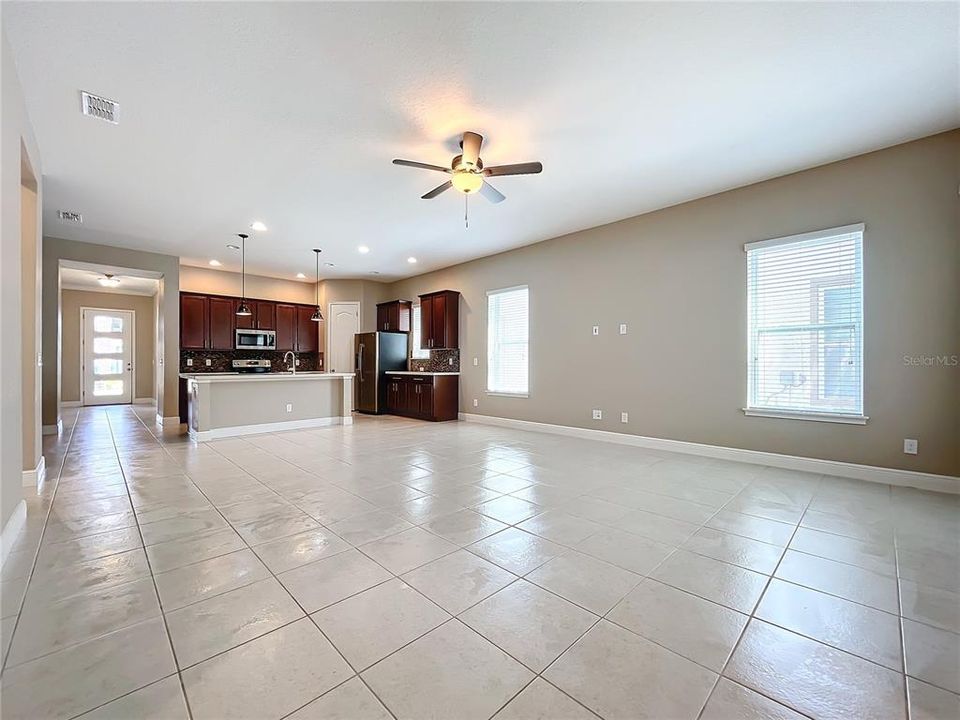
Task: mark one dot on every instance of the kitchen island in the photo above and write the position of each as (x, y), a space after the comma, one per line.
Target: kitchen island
(224, 405)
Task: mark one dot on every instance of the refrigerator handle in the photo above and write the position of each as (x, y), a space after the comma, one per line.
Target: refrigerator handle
(360, 363)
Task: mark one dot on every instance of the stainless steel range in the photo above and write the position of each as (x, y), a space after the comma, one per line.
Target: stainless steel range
(256, 365)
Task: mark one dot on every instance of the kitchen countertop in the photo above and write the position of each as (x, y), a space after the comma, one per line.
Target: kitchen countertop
(263, 377)
(416, 372)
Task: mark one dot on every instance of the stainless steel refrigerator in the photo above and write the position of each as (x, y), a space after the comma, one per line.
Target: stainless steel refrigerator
(375, 354)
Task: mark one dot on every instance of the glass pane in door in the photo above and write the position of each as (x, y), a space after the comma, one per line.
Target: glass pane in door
(107, 387)
(107, 324)
(107, 346)
(107, 366)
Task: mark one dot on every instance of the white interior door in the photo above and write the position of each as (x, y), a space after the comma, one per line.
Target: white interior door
(107, 349)
(343, 323)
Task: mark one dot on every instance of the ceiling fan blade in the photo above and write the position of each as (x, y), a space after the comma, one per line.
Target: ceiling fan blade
(424, 166)
(471, 148)
(437, 190)
(491, 193)
(529, 168)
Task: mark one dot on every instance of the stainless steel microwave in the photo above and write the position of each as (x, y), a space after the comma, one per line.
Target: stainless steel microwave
(248, 339)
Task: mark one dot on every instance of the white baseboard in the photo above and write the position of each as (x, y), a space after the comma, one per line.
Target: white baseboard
(220, 433)
(70, 403)
(53, 429)
(144, 401)
(869, 473)
(34, 478)
(169, 421)
(12, 529)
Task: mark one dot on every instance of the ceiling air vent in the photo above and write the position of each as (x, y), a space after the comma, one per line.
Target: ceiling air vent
(100, 107)
(70, 217)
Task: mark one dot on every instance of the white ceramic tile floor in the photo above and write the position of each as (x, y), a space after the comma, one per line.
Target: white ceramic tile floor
(466, 571)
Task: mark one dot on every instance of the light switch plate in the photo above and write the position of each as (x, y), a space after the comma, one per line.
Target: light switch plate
(598, 414)
(623, 328)
(910, 447)
(596, 329)
(476, 361)
(450, 361)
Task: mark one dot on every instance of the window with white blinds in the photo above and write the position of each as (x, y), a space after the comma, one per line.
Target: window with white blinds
(508, 320)
(805, 311)
(416, 351)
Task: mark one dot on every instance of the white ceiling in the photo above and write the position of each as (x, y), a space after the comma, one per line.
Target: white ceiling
(85, 277)
(291, 112)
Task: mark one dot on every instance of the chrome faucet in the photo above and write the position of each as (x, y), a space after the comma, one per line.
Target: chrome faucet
(293, 365)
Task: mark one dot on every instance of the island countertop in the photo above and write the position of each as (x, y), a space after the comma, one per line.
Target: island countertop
(417, 372)
(262, 377)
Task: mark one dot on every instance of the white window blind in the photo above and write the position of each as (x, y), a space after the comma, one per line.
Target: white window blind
(415, 351)
(507, 341)
(805, 310)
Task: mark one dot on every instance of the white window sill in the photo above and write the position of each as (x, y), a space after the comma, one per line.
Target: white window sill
(815, 416)
(508, 394)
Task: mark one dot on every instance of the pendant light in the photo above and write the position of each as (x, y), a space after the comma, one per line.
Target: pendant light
(243, 309)
(317, 315)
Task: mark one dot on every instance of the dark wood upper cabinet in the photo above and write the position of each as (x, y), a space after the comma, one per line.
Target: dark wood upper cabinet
(286, 326)
(440, 320)
(209, 322)
(266, 315)
(308, 332)
(394, 316)
(194, 319)
(223, 320)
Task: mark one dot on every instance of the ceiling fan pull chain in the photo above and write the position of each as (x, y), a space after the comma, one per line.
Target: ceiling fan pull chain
(466, 219)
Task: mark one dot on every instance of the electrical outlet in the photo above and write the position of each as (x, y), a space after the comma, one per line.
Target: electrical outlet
(208, 362)
(596, 329)
(623, 328)
(320, 362)
(476, 402)
(598, 414)
(289, 407)
(910, 447)
(476, 361)
(296, 362)
(189, 362)
(624, 417)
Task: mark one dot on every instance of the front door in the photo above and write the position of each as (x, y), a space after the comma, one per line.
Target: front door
(107, 350)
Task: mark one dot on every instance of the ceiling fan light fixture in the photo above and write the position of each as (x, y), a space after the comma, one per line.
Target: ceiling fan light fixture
(467, 182)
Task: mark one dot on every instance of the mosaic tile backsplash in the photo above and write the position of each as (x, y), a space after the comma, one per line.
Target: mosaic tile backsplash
(439, 361)
(220, 360)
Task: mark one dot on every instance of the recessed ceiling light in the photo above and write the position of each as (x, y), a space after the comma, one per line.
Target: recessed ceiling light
(215, 263)
(258, 226)
(329, 264)
(411, 260)
(374, 272)
(233, 247)
(363, 249)
(108, 280)
(301, 276)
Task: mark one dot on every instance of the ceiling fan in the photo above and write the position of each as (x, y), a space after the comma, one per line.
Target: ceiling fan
(469, 176)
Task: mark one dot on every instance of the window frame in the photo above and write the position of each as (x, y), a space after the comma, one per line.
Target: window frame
(501, 393)
(414, 335)
(750, 410)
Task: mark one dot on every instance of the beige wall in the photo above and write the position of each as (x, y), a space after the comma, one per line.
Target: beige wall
(71, 302)
(166, 267)
(366, 292)
(30, 244)
(17, 144)
(677, 277)
(222, 282)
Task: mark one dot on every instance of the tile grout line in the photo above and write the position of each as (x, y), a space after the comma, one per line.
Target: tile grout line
(36, 557)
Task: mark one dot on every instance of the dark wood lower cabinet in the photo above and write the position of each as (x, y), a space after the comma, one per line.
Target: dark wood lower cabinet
(427, 397)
